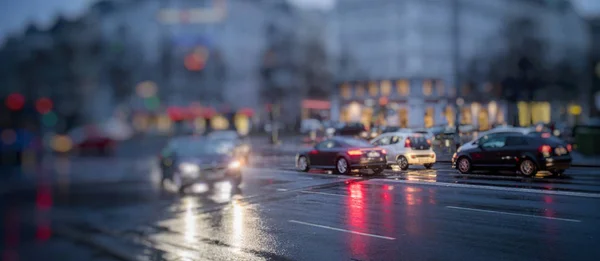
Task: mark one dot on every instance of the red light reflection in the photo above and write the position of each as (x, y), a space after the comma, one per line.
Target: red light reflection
(357, 218)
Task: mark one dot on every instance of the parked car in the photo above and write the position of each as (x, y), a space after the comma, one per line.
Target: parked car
(241, 146)
(353, 129)
(191, 159)
(524, 153)
(405, 149)
(342, 155)
(500, 131)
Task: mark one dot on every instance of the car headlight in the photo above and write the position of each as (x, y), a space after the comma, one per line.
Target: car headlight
(234, 164)
(364, 134)
(330, 131)
(188, 167)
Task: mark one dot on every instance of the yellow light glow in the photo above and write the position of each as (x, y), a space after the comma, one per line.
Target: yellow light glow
(575, 109)
(524, 113)
(403, 88)
(373, 90)
(219, 122)
(429, 114)
(386, 88)
(163, 123)
(345, 91)
(242, 124)
(427, 88)
(61, 143)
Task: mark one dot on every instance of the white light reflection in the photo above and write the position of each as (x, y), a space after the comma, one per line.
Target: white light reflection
(237, 226)
(190, 219)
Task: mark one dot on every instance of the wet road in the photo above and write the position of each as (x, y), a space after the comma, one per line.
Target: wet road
(113, 209)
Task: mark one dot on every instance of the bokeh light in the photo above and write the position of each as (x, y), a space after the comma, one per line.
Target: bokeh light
(61, 143)
(9, 137)
(146, 89)
(50, 119)
(152, 103)
(43, 105)
(15, 101)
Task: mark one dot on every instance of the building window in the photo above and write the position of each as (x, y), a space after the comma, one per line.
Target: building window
(427, 88)
(450, 115)
(440, 88)
(465, 116)
(403, 115)
(403, 87)
(429, 114)
(483, 120)
(373, 90)
(360, 91)
(345, 91)
(386, 88)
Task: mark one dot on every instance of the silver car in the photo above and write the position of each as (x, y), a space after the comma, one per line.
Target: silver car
(405, 149)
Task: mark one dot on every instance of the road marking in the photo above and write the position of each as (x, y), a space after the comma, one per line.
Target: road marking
(322, 193)
(525, 190)
(512, 214)
(340, 229)
(281, 189)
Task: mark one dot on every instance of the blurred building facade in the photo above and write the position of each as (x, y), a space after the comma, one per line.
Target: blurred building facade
(595, 66)
(397, 67)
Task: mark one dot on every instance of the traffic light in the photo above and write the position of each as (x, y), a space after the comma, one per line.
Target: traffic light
(43, 105)
(196, 60)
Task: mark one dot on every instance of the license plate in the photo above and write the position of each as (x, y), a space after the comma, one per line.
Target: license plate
(373, 154)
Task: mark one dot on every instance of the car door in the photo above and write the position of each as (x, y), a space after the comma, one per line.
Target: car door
(509, 154)
(491, 149)
(318, 156)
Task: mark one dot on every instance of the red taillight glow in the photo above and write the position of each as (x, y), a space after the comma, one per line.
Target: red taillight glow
(432, 156)
(546, 135)
(429, 142)
(569, 147)
(383, 152)
(314, 152)
(354, 152)
(407, 143)
(545, 149)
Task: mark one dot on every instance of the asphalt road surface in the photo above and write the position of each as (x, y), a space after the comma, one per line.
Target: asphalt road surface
(113, 209)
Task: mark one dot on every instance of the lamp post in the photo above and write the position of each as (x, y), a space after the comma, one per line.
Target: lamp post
(456, 61)
(459, 103)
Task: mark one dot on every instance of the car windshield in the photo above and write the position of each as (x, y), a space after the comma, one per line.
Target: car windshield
(196, 148)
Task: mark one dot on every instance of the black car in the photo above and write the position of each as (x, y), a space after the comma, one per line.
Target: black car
(342, 155)
(525, 153)
(353, 129)
(188, 160)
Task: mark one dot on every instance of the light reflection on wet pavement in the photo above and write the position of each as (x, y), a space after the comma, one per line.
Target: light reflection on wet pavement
(289, 215)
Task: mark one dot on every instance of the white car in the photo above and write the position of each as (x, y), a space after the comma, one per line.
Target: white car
(404, 149)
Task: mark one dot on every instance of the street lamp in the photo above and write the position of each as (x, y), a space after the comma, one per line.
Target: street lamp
(459, 103)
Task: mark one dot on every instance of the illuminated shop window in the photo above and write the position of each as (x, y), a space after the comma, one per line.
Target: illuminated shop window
(483, 119)
(373, 90)
(386, 88)
(427, 88)
(345, 91)
(450, 115)
(429, 114)
(403, 115)
(403, 87)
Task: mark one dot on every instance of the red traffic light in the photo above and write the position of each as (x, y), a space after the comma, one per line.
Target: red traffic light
(15, 101)
(43, 105)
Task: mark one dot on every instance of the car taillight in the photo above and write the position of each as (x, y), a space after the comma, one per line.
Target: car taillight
(313, 152)
(383, 152)
(429, 142)
(354, 152)
(407, 143)
(432, 156)
(569, 147)
(545, 149)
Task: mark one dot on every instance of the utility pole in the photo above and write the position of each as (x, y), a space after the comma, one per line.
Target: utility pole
(456, 62)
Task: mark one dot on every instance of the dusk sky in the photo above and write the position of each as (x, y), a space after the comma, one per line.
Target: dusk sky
(14, 14)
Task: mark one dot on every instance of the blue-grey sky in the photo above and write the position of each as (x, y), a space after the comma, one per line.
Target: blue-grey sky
(15, 14)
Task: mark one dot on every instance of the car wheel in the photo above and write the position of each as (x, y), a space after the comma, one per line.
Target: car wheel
(303, 163)
(377, 171)
(342, 167)
(428, 166)
(463, 165)
(528, 168)
(402, 162)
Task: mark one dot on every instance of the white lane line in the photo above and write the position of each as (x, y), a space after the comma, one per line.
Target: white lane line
(322, 193)
(340, 229)
(512, 214)
(281, 189)
(525, 190)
